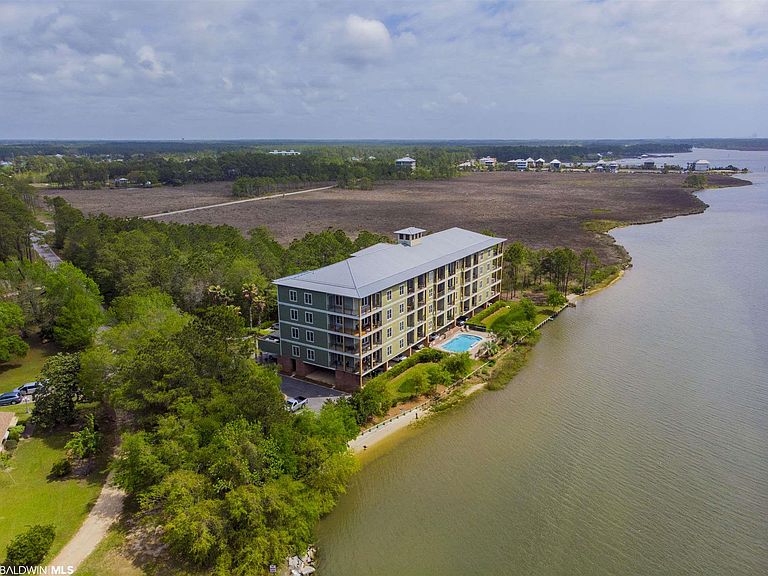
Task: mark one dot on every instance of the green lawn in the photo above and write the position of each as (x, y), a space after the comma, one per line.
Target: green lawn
(30, 498)
(499, 313)
(27, 369)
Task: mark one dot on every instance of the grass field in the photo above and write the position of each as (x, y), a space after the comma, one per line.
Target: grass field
(27, 369)
(30, 498)
(398, 386)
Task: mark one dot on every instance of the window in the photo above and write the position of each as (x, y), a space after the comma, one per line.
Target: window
(292, 296)
(295, 351)
(389, 295)
(308, 299)
(294, 333)
(402, 326)
(402, 343)
(310, 336)
(402, 308)
(430, 308)
(310, 354)
(481, 283)
(389, 332)
(389, 350)
(339, 300)
(402, 289)
(294, 314)
(389, 314)
(488, 267)
(309, 318)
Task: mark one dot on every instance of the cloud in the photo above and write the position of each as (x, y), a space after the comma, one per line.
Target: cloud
(382, 69)
(364, 41)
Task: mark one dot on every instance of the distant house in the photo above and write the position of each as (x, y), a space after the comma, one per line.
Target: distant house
(554, 166)
(649, 165)
(121, 182)
(290, 152)
(466, 165)
(406, 162)
(519, 164)
(599, 166)
(540, 163)
(700, 165)
(613, 167)
(530, 162)
(488, 162)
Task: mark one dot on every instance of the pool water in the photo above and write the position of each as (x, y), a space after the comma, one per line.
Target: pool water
(461, 343)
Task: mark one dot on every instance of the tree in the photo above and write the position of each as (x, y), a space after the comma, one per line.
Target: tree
(72, 305)
(55, 402)
(489, 348)
(516, 256)
(30, 547)
(458, 365)
(588, 259)
(17, 221)
(528, 308)
(372, 400)
(11, 320)
(556, 299)
(85, 442)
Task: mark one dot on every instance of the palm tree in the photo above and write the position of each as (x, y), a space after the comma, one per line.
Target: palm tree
(252, 294)
(489, 348)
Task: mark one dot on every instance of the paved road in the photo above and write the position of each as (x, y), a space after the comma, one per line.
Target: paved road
(316, 395)
(45, 252)
(220, 204)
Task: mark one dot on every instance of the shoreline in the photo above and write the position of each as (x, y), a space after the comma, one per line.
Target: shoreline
(390, 430)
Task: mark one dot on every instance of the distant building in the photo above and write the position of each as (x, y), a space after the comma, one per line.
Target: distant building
(613, 167)
(519, 164)
(649, 165)
(488, 162)
(540, 163)
(290, 152)
(699, 165)
(554, 166)
(466, 165)
(121, 182)
(406, 162)
(530, 162)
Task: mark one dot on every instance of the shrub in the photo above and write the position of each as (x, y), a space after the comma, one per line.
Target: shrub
(15, 433)
(529, 309)
(4, 460)
(415, 384)
(30, 547)
(478, 318)
(555, 298)
(61, 468)
(11, 444)
(373, 400)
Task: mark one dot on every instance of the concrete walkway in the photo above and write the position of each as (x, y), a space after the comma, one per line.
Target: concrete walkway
(104, 513)
(220, 204)
(374, 436)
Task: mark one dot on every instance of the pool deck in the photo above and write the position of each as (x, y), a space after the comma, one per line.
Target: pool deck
(448, 336)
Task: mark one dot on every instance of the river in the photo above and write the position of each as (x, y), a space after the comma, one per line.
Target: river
(635, 441)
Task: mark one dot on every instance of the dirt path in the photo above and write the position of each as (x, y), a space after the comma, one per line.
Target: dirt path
(104, 513)
(220, 204)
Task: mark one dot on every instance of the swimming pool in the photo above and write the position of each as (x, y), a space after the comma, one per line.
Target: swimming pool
(461, 343)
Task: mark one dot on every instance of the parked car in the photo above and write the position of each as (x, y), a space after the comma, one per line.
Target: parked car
(10, 398)
(29, 389)
(294, 404)
(461, 320)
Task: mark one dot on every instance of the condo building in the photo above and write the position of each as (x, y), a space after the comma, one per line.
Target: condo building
(348, 321)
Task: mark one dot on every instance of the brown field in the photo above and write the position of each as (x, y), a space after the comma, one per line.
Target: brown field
(539, 209)
(143, 201)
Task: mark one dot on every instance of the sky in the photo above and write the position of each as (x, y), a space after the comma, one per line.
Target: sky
(389, 69)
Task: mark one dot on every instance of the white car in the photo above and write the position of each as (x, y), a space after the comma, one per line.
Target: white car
(294, 404)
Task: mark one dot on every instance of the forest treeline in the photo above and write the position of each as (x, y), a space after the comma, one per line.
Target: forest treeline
(255, 171)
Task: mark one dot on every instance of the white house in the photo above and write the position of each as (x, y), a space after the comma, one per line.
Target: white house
(530, 162)
(519, 164)
(701, 165)
(406, 162)
(554, 166)
(488, 162)
(290, 152)
(613, 167)
(540, 163)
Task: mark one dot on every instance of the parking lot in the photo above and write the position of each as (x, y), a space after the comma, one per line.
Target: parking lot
(315, 394)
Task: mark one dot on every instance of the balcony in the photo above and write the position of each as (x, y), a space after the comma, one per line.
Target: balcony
(348, 310)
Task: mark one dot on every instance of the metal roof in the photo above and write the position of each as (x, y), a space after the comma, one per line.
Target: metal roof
(384, 265)
(405, 159)
(410, 230)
